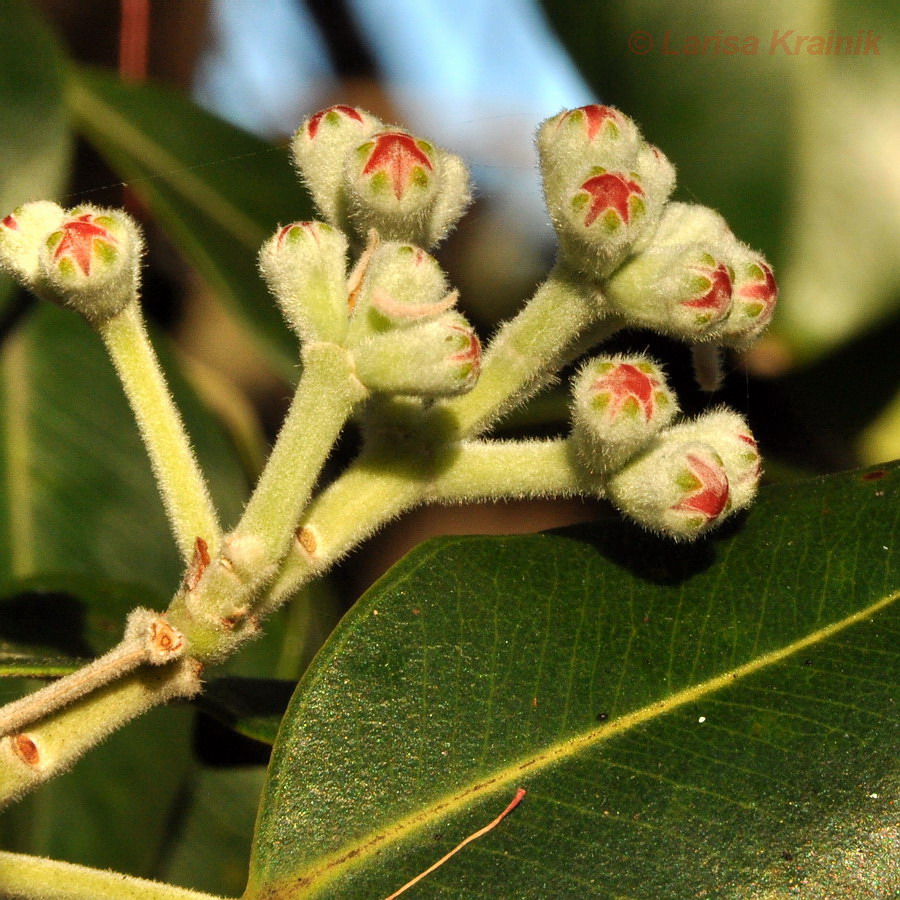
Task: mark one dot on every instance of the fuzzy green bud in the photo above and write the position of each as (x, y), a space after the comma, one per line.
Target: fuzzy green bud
(22, 233)
(681, 284)
(305, 266)
(320, 147)
(605, 187)
(401, 286)
(405, 188)
(729, 435)
(754, 296)
(676, 487)
(435, 358)
(619, 403)
(594, 134)
(91, 262)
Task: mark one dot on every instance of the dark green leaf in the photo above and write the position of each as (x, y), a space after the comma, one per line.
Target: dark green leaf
(689, 720)
(50, 625)
(217, 191)
(34, 126)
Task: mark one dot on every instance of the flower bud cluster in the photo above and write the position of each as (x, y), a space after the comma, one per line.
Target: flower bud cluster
(364, 175)
(672, 267)
(86, 259)
(677, 479)
(394, 311)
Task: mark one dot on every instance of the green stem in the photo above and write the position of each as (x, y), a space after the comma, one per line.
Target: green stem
(50, 746)
(506, 470)
(371, 492)
(527, 351)
(324, 399)
(181, 483)
(219, 612)
(33, 878)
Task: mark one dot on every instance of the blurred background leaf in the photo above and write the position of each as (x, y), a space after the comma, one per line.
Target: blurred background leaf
(35, 140)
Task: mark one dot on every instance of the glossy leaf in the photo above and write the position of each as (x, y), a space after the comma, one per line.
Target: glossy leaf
(35, 139)
(217, 191)
(688, 720)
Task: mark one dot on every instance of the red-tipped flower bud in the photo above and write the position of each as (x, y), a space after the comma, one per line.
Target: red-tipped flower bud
(320, 147)
(676, 487)
(435, 358)
(593, 135)
(304, 265)
(605, 188)
(619, 404)
(729, 435)
(91, 262)
(405, 188)
(681, 284)
(753, 299)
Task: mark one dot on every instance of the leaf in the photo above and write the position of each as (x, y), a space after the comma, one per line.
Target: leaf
(51, 625)
(212, 847)
(217, 191)
(713, 719)
(35, 139)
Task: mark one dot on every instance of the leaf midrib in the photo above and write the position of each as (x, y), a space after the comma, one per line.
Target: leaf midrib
(512, 774)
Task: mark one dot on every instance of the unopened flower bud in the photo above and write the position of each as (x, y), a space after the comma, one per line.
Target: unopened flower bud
(681, 284)
(304, 265)
(729, 435)
(676, 487)
(440, 357)
(619, 404)
(91, 262)
(605, 187)
(402, 286)
(22, 233)
(320, 147)
(753, 299)
(405, 188)
(598, 217)
(593, 135)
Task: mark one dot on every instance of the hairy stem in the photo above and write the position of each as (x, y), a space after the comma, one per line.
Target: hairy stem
(32, 878)
(181, 483)
(527, 351)
(506, 470)
(324, 399)
(52, 745)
